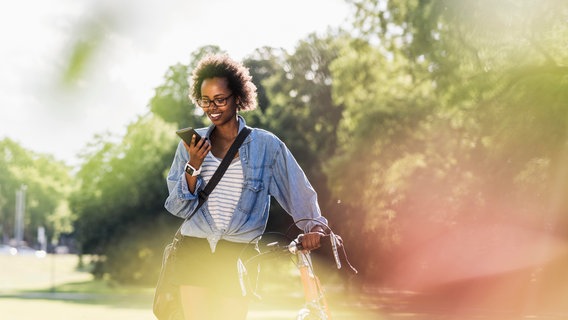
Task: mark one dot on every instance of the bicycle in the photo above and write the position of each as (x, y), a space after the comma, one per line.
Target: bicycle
(315, 304)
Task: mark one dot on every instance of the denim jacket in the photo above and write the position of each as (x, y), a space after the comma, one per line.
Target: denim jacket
(269, 169)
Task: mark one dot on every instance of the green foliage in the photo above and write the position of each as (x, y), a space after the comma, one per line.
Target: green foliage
(436, 114)
(120, 199)
(171, 100)
(301, 109)
(295, 98)
(262, 64)
(457, 110)
(48, 183)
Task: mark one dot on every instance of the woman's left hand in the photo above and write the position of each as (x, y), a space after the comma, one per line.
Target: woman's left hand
(312, 240)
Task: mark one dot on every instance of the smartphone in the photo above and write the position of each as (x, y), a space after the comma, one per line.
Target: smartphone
(187, 133)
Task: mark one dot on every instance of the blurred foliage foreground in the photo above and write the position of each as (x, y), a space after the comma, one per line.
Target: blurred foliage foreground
(435, 132)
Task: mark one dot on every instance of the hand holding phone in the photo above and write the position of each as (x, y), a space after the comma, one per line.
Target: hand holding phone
(186, 133)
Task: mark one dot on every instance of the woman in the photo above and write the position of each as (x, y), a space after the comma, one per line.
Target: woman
(237, 210)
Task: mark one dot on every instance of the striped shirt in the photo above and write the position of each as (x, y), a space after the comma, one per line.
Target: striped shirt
(224, 198)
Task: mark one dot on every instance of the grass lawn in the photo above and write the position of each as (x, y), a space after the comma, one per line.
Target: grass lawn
(51, 288)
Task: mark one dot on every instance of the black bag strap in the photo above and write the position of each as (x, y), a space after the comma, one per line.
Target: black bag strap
(204, 194)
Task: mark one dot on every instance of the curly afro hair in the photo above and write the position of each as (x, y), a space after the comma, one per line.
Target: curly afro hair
(237, 75)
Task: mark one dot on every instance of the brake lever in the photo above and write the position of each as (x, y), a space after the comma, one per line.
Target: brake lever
(334, 239)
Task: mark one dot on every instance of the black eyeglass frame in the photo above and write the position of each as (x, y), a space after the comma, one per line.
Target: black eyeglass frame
(218, 102)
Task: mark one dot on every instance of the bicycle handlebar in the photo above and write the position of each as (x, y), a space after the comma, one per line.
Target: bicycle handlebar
(295, 247)
(335, 240)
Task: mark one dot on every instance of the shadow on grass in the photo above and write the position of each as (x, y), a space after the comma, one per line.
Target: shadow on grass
(274, 299)
(94, 292)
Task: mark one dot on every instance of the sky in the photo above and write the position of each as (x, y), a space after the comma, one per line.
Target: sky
(141, 40)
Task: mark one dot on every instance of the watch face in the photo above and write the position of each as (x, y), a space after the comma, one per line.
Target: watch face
(190, 170)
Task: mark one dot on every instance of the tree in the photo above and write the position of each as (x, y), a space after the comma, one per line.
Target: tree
(264, 63)
(453, 121)
(48, 183)
(120, 197)
(301, 111)
(296, 104)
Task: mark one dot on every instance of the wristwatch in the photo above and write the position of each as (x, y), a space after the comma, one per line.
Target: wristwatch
(191, 170)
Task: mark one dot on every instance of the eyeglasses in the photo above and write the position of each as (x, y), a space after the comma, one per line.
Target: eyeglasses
(218, 102)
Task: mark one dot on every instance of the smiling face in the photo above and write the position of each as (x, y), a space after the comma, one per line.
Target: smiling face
(222, 106)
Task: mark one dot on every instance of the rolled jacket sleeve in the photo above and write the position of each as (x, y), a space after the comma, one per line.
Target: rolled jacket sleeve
(181, 202)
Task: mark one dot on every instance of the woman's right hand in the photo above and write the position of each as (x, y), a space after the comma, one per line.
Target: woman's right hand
(197, 151)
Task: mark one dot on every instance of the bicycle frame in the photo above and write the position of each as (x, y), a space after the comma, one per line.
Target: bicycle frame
(315, 306)
(315, 301)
